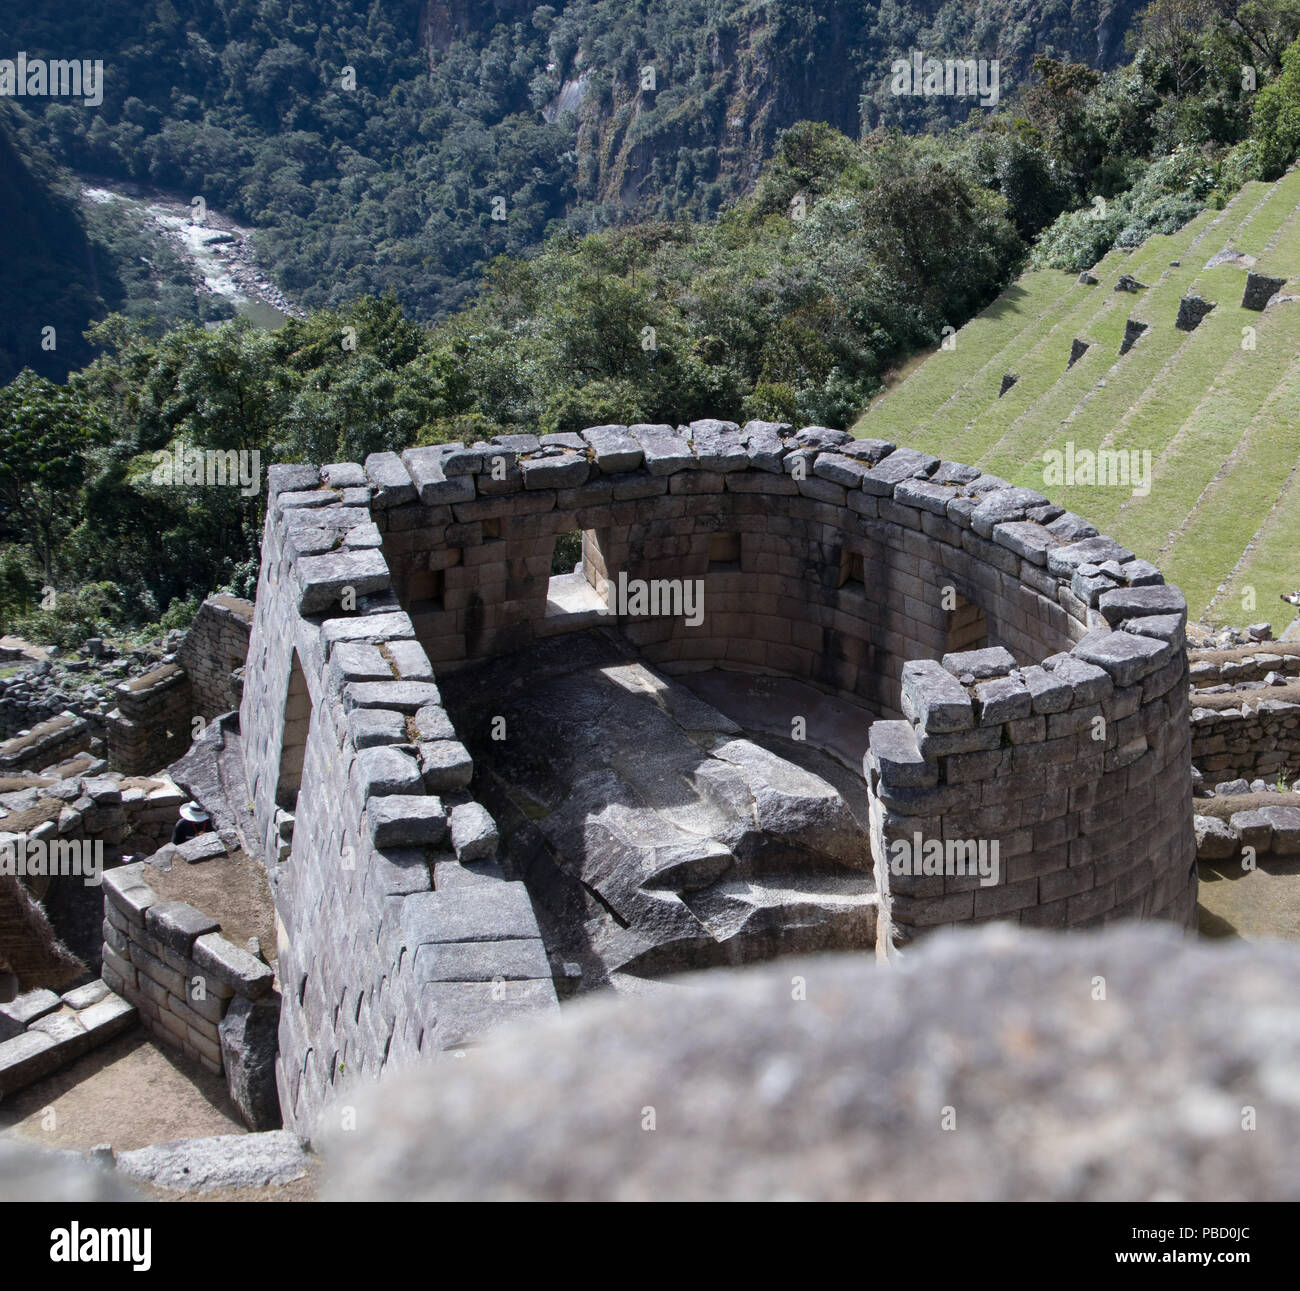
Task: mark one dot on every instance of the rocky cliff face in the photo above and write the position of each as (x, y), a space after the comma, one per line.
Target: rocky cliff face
(442, 22)
(728, 77)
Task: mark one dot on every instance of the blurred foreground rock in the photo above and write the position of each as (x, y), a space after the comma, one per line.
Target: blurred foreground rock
(753, 1093)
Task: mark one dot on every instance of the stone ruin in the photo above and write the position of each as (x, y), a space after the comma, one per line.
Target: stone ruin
(481, 786)
(1191, 310)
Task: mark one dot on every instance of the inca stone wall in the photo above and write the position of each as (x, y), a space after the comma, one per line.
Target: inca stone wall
(62, 817)
(41, 1031)
(1252, 738)
(1246, 712)
(399, 935)
(171, 962)
(215, 646)
(45, 744)
(865, 569)
(153, 722)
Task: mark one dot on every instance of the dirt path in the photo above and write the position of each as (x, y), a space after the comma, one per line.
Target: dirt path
(130, 1092)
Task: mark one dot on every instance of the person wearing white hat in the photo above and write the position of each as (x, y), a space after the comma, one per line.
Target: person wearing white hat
(194, 820)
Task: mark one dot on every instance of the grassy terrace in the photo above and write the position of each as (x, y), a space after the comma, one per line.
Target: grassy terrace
(1220, 420)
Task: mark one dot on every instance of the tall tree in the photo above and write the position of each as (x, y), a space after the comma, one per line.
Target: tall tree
(46, 431)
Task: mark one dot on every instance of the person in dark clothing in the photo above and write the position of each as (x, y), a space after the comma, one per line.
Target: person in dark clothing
(194, 821)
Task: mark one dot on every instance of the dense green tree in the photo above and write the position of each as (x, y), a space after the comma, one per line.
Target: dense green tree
(46, 433)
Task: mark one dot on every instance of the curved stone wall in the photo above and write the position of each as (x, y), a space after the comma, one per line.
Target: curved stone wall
(866, 569)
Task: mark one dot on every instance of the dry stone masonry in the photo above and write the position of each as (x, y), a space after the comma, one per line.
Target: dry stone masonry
(1029, 678)
(41, 1031)
(48, 742)
(1246, 712)
(193, 989)
(153, 722)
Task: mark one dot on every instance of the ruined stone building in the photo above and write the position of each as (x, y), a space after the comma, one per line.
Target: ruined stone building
(481, 787)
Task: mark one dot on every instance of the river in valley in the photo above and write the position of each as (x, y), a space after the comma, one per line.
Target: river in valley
(219, 251)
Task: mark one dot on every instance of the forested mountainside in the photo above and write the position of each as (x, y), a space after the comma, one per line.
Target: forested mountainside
(798, 300)
(400, 145)
(70, 263)
(53, 277)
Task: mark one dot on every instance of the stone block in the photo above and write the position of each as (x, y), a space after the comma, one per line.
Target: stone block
(369, 727)
(344, 475)
(482, 961)
(992, 661)
(1253, 829)
(236, 968)
(385, 769)
(322, 580)
(249, 1035)
(717, 445)
(26, 1058)
(1002, 506)
(433, 723)
(666, 452)
(1136, 602)
(841, 470)
(202, 847)
(762, 440)
(1063, 561)
(1002, 699)
(84, 996)
(1216, 840)
(176, 924)
(400, 820)
(870, 451)
(20, 1013)
(409, 659)
(106, 1018)
(934, 698)
(359, 661)
(392, 626)
(473, 833)
(483, 912)
(564, 471)
(433, 486)
(1089, 683)
(1127, 658)
(465, 1010)
(1049, 693)
(892, 748)
(406, 697)
(613, 448)
(445, 765)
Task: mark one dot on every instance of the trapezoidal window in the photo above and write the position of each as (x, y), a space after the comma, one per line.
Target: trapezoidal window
(851, 568)
(293, 741)
(577, 570)
(967, 627)
(724, 552)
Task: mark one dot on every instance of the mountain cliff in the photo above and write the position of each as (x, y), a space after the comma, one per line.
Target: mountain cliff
(402, 145)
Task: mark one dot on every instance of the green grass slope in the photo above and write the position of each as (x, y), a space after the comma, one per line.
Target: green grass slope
(1212, 417)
